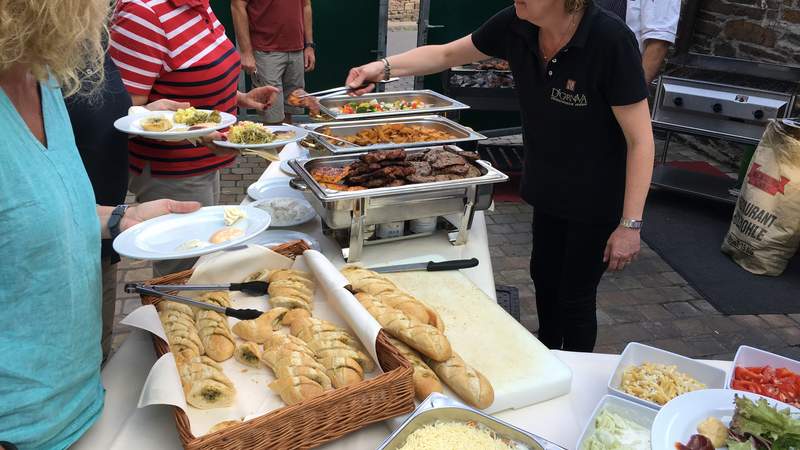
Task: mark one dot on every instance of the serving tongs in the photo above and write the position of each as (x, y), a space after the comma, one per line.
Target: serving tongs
(332, 138)
(252, 288)
(343, 89)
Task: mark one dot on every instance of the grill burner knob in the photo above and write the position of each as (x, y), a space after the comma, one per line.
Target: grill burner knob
(678, 101)
(717, 108)
(758, 114)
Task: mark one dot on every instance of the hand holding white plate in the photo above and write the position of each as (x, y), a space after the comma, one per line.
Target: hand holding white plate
(177, 236)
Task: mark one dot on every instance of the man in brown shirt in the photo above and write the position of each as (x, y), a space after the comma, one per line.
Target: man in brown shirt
(277, 46)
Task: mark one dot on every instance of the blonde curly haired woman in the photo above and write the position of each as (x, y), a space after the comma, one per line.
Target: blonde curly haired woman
(50, 226)
(588, 141)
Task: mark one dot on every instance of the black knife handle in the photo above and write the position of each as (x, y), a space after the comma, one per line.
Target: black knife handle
(243, 314)
(452, 265)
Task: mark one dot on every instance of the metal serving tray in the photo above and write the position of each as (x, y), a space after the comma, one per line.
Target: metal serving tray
(356, 211)
(339, 129)
(439, 103)
(438, 407)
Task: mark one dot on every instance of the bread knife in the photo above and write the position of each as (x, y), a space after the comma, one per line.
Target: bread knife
(429, 266)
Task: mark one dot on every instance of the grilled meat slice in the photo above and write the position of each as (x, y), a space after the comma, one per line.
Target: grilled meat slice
(376, 183)
(457, 169)
(421, 178)
(396, 183)
(421, 168)
(393, 163)
(327, 174)
(448, 177)
(391, 172)
(469, 156)
(473, 172)
(439, 159)
(391, 155)
(418, 156)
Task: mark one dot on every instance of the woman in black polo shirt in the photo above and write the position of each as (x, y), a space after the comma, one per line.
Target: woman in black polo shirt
(589, 144)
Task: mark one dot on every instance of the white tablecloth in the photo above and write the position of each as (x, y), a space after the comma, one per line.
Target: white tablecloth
(123, 426)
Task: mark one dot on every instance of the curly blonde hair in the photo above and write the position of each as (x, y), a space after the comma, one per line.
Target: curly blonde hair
(575, 5)
(62, 38)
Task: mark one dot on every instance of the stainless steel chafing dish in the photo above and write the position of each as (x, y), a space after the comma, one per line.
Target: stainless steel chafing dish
(349, 216)
(438, 104)
(438, 407)
(339, 129)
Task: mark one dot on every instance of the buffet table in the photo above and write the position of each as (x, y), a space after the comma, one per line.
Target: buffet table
(124, 426)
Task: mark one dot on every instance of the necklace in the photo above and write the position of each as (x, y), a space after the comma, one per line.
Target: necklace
(563, 39)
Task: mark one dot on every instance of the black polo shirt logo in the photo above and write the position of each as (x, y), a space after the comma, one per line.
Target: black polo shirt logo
(568, 96)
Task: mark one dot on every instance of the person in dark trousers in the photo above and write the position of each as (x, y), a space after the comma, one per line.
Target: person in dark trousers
(588, 142)
(104, 152)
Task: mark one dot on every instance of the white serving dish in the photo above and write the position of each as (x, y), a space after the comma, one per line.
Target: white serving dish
(636, 354)
(304, 210)
(752, 357)
(678, 420)
(634, 412)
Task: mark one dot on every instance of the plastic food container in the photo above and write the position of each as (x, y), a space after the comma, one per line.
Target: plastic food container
(390, 230)
(634, 412)
(636, 354)
(423, 225)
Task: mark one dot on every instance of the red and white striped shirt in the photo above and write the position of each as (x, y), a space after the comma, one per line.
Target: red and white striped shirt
(175, 49)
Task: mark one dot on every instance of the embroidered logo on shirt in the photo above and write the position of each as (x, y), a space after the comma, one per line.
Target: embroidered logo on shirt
(571, 85)
(566, 98)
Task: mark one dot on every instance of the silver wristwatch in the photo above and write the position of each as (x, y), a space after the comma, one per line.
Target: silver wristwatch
(631, 223)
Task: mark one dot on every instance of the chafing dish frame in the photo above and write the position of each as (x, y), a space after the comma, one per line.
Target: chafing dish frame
(441, 104)
(463, 133)
(440, 407)
(356, 211)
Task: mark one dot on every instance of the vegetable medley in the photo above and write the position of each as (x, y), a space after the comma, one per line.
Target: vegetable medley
(376, 106)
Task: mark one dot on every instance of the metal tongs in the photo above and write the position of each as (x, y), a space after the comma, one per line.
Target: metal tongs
(252, 288)
(343, 89)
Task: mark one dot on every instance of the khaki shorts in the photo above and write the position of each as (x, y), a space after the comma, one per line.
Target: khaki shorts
(284, 70)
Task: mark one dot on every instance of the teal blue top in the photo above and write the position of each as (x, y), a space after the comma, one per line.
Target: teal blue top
(50, 388)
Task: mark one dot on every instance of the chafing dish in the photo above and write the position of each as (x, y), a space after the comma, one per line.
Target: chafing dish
(438, 407)
(350, 216)
(340, 129)
(438, 104)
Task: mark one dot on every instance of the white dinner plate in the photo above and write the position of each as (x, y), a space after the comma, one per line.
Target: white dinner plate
(130, 125)
(271, 188)
(299, 134)
(302, 211)
(678, 420)
(160, 238)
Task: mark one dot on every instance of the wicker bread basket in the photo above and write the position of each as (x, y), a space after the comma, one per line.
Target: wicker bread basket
(313, 422)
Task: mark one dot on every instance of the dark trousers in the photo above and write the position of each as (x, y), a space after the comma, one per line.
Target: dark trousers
(566, 267)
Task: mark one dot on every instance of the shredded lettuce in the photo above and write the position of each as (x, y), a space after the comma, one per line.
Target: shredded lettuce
(613, 432)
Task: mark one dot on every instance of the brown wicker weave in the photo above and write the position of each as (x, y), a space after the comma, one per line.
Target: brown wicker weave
(313, 422)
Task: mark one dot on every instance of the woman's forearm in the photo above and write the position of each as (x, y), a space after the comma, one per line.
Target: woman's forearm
(639, 173)
(435, 58)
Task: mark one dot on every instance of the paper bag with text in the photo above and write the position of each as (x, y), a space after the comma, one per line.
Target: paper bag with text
(765, 230)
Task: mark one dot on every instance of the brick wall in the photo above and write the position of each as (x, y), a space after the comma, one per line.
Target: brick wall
(403, 10)
(234, 180)
(760, 30)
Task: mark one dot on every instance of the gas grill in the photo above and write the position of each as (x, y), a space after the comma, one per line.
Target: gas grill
(487, 86)
(720, 98)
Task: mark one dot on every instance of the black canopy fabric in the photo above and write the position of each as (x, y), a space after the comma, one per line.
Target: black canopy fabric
(687, 232)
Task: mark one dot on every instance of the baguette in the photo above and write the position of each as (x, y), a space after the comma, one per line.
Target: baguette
(422, 337)
(370, 282)
(425, 379)
(467, 382)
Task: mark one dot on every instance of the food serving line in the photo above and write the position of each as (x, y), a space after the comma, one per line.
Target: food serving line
(382, 192)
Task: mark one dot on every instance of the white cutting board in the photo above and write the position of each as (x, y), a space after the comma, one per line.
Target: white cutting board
(521, 369)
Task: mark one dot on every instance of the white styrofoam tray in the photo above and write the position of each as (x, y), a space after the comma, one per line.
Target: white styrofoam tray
(636, 354)
(634, 412)
(752, 357)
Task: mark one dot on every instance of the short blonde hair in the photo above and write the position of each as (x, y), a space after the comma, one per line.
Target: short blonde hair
(62, 38)
(575, 5)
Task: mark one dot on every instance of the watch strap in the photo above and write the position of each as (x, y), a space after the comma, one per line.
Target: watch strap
(310, 45)
(387, 69)
(633, 224)
(115, 220)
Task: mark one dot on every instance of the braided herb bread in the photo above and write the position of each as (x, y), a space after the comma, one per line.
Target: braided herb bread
(213, 327)
(420, 336)
(290, 289)
(298, 376)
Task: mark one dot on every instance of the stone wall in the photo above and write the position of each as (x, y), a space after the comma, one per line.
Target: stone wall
(234, 180)
(760, 30)
(403, 10)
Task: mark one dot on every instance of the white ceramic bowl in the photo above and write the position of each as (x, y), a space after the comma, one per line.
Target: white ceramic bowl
(753, 357)
(636, 354)
(634, 412)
